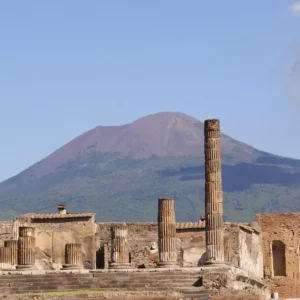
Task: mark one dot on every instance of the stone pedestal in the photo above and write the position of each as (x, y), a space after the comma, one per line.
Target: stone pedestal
(13, 246)
(119, 247)
(73, 256)
(5, 258)
(166, 234)
(213, 193)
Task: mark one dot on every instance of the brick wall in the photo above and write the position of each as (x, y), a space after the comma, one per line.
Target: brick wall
(281, 242)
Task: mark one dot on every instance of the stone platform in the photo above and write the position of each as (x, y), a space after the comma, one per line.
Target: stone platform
(188, 282)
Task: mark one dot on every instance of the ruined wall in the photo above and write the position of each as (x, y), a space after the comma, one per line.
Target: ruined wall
(141, 238)
(281, 245)
(250, 251)
(242, 245)
(53, 234)
(5, 232)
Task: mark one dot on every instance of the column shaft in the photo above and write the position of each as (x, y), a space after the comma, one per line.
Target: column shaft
(119, 247)
(13, 246)
(166, 233)
(26, 252)
(73, 256)
(5, 258)
(26, 248)
(213, 193)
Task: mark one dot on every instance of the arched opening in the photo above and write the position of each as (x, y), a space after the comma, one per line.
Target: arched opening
(278, 255)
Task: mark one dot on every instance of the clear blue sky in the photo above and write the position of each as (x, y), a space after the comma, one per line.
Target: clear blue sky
(68, 66)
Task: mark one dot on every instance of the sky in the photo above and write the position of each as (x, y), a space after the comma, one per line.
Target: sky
(69, 66)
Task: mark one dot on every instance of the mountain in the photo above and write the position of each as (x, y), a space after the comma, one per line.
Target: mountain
(120, 171)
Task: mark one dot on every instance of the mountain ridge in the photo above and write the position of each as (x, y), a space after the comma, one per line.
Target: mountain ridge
(119, 172)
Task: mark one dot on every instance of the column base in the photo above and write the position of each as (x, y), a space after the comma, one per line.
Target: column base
(71, 267)
(120, 266)
(24, 267)
(167, 264)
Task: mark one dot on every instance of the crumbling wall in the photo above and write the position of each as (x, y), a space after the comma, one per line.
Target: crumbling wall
(192, 247)
(281, 245)
(250, 251)
(142, 239)
(5, 231)
(242, 246)
(53, 234)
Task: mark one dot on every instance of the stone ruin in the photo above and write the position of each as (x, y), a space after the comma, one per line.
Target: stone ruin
(219, 258)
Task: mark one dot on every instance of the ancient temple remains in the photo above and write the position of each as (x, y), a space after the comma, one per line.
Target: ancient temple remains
(5, 258)
(119, 247)
(213, 193)
(73, 257)
(12, 245)
(166, 233)
(26, 248)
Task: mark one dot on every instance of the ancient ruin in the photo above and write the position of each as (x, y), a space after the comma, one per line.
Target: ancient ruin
(26, 248)
(73, 259)
(213, 193)
(119, 247)
(67, 251)
(166, 233)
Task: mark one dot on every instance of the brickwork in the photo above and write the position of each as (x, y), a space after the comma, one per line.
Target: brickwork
(281, 249)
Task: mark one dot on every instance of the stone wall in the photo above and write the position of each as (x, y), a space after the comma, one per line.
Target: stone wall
(5, 231)
(54, 233)
(242, 245)
(281, 252)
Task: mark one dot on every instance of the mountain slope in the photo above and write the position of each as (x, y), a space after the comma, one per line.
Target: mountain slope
(120, 171)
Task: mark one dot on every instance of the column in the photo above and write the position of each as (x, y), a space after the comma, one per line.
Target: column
(5, 258)
(73, 256)
(166, 233)
(213, 193)
(13, 246)
(26, 248)
(119, 247)
(15, 230)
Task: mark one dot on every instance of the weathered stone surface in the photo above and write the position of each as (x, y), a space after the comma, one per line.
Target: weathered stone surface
(13, 246)
(5, 258)
(166, 233)
(119, 247)
(73, 256)
(26, 252)
(25, 231)
(213, 193)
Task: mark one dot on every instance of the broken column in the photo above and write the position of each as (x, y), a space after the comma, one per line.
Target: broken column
(5, 259)
(73, 256)
(213, 193)
(166, 233)
(119, 247)
(26, 248)
(13, 246)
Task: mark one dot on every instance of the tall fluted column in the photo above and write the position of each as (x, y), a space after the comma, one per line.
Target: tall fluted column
(73, 257)
(13, 246)
(119, 247)
(166, 233)
(26, 248)
(213, 193)
(5, 259)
